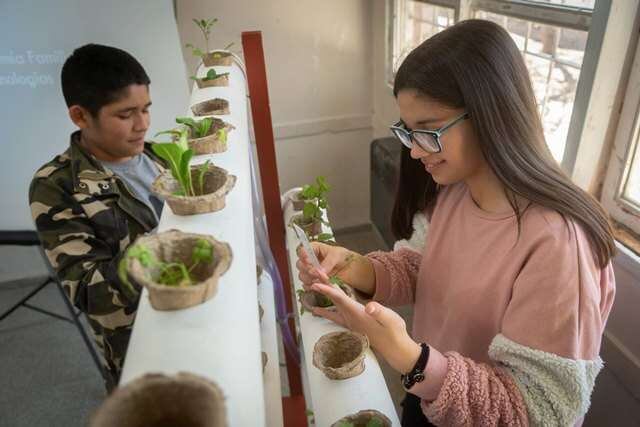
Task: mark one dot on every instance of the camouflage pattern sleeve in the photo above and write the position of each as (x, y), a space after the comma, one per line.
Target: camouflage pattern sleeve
(84, 240)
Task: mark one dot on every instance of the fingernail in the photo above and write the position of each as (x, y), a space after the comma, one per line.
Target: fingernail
(370, 309)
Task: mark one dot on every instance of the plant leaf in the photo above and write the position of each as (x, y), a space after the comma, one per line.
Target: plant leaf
(185, 173)
(222, 135)
(324, 236)
(202, 251)
(182, 141)
(204, 126)
(171, 153)
(188, 121)
(201, 171)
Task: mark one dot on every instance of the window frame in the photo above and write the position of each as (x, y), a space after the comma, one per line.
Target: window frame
(625, 144)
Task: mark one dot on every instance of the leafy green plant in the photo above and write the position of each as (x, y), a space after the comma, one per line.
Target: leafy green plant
(322, 300)
(177, 154)
(205, 26)
(169, 273)
(211, 75)
(323, 238)
(199, 128)
(315, 199)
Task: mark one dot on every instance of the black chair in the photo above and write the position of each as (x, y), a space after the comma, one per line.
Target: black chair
(30, 238)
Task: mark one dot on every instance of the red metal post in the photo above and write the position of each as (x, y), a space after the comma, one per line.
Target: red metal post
(263, 130)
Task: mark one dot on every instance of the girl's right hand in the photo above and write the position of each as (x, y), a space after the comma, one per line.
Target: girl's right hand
(332, 260)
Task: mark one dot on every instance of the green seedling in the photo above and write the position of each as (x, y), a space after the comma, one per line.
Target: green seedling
(177, 154)
(315, 199)
(211, 75)
(205, 26)
(169, 273)
(322, 300)
(199, 128)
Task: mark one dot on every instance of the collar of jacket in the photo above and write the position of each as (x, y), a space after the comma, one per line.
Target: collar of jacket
(91, 178)
(85, 166)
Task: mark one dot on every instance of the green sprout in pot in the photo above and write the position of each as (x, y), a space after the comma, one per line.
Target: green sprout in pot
(211, 75)
(315, 200)
(177, 154)
(205, 26)
(198, 128)
(322, 300)
(167, 273)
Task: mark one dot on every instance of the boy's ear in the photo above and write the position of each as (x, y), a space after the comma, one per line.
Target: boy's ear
(80, 116)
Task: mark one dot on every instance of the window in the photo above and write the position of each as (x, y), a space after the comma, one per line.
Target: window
(621, 193)
(554, 57)
(413, 23)
(552, 36)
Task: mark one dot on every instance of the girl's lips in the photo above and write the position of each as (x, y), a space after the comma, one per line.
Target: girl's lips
(430, 166)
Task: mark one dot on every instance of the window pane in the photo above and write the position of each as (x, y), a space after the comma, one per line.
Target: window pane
(631, 190)
(584, 4)
(554, 57)
(421, 21)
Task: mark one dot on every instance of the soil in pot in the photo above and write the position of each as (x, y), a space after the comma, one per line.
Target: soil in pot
(366, 418)
(311, 228)
(179, 269)
(211, 143)
(340, 355)
(156, 400)
(217, 106)
(210, 196)
(218, 58)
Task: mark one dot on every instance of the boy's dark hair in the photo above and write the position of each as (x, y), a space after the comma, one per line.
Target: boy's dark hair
(95, 75)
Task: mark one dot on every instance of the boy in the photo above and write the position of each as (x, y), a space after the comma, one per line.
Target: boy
(90, 202)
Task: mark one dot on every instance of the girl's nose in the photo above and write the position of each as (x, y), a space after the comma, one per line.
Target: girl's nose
(417, 152)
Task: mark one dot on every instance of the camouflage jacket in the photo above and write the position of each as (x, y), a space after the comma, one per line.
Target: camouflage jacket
(86, 216)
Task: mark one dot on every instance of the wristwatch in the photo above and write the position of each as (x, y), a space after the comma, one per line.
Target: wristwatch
(416, 375)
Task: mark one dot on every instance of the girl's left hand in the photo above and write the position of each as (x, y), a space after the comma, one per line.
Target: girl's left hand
(386, 330)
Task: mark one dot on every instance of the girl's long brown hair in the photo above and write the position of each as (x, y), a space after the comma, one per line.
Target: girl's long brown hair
(476, 65)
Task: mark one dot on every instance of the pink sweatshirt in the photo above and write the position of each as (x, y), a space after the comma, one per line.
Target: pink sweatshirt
(514, 324)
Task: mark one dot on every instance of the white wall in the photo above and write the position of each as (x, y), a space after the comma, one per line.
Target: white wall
(319, 60)
(34, 119)
(385, 110)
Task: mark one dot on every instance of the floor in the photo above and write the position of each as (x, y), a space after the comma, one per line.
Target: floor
(48, 377)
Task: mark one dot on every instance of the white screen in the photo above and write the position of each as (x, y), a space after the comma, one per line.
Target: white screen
(35, 39)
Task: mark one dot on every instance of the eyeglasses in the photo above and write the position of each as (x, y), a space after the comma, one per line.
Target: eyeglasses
(428, 140)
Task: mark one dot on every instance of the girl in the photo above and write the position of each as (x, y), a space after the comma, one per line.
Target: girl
(514, 285)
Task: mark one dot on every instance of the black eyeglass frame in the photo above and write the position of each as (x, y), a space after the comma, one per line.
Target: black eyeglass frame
(400, 130)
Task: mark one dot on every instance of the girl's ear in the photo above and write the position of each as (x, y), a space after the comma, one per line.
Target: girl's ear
(80, 116)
